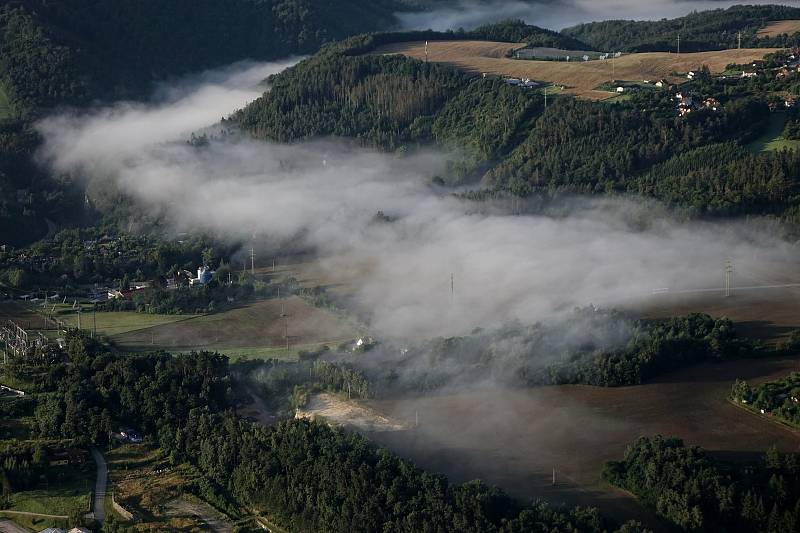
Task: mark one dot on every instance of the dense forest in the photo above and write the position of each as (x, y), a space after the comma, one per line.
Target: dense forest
(309, 476)
(699, 493)
(699, 31)
(78, 52)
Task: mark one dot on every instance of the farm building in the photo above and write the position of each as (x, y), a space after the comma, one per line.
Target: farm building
(204, 275)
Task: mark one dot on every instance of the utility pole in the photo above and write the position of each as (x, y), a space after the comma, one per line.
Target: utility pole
(739, 36)
(426, 51)
(79, 318)
(252, 261)
(679, 44)
(545, 96)
(286, 332)
(554, 476)
(452, 287)
(729, 271)
(94, 319)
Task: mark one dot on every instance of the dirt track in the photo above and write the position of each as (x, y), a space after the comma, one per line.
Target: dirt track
(579, 78)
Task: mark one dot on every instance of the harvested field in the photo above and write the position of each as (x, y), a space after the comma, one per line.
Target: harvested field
(248, 327)
(765, 303)
(779, 27)
(514, 438)
(579, 78)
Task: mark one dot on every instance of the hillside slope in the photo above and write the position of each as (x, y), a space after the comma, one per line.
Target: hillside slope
(699, 31)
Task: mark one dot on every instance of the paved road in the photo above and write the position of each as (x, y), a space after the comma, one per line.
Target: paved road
(99, 503)
(7, 526)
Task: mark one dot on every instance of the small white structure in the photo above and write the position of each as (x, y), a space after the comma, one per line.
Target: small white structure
(204, 275)
(620, 89)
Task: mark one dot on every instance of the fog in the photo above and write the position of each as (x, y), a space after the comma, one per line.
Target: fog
(559, 14)
(324, 196)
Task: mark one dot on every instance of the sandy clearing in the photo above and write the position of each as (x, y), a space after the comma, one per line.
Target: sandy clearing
(351, 414)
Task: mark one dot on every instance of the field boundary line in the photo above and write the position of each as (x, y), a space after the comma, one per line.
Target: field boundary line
(774, 420)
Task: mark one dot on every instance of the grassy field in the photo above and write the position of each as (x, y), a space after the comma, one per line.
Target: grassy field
(68, 492)
(253, 330)
(115, 323)
(579, 78)
(779, 27)
(772, 139)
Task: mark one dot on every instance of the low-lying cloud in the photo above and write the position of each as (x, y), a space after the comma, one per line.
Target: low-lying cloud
(559, 14)
(324, 196)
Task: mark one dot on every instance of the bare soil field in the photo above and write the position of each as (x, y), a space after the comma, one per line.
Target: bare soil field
(253, 325)
(765, 303)
(515, 438)
(578, 77)
(779, 27)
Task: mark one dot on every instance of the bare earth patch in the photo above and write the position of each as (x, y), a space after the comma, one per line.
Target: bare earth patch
(339, 412)
(579, 77)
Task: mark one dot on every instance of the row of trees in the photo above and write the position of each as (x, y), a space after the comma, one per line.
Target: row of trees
(589, 347)
(698, 493)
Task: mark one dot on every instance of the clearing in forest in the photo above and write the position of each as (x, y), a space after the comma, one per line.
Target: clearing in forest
(779, 27)
(580, 78)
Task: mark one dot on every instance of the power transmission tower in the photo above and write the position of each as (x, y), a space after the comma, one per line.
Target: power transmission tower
(729, 271)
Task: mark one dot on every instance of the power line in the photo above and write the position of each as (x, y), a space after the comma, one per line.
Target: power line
(729, 271)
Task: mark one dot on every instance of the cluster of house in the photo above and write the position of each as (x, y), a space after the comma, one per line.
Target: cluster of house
(185, 277)
(687, 103)
(788, 103)
(523, 83)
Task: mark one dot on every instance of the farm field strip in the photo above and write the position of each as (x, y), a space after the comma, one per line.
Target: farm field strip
(578, 77)
(776, 28)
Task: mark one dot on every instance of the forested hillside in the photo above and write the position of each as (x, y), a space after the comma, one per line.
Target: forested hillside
(75, 52)
(705, 30)
(506, 140)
